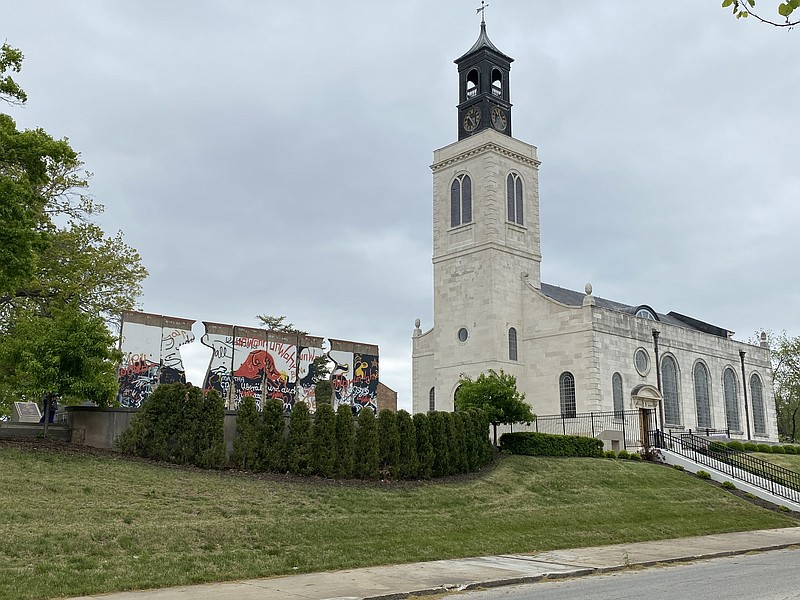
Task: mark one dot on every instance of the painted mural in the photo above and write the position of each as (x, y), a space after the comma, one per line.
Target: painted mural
(245, 362)
(150, 346)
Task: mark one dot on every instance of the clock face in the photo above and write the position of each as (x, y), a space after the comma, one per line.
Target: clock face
(472, 119)
(498, 119)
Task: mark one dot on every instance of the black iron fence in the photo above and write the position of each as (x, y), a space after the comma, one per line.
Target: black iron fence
(623, 427)
(739, 465)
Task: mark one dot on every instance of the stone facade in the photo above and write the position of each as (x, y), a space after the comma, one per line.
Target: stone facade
(489, 302)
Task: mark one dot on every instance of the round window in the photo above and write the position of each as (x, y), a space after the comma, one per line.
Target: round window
(642, 361)
(463, 334)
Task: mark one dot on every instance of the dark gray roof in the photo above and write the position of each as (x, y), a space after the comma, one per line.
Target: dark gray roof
(483, 41)
(572, 298)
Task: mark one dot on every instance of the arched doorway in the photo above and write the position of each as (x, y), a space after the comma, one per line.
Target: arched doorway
(648, 400)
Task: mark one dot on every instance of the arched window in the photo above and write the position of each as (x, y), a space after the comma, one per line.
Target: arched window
(432, 400)
(514, 197)
(669, 381)
(731, 394)
(461, 201)
(702, 398)
(757, 393)
(616, 394)
(566, 386)
(473, 79)
(497, 83)
(512, 344)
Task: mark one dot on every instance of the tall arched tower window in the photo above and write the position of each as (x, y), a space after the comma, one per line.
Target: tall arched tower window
(514, 198)
(461, 201)
(512, 344)
(702, 398)
(432, 400)
(566, 387)
(616, 394)
(731, 394)
(669, 380)
(757, 393)
(473, 81)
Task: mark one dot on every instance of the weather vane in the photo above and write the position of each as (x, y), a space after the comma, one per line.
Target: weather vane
(481, 10)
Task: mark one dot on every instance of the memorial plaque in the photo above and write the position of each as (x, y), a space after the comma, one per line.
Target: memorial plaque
(26, 412)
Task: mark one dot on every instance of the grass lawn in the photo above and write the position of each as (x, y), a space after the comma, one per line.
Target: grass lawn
(787, 461)
(73, 524)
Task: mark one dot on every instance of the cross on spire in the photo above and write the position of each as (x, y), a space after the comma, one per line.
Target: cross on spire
(482, 10)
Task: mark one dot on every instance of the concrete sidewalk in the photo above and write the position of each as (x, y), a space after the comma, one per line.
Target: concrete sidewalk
(398, 581)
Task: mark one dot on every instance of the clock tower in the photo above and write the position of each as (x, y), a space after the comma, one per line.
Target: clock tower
(483, 88)
(486, 249)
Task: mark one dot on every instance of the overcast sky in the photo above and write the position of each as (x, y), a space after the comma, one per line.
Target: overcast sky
(273, 157)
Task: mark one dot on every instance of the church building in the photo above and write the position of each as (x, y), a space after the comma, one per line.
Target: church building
(571, 352)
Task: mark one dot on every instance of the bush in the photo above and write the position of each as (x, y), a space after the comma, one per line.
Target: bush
(323, 445)
(728, 485)
(789, 449)
(273, 442)
(635, 456)
(211, 436)
(422, 429)
(366, 458)
(750, 447)
(765, 448)
(545, 444)
(678, 467)
(389, 441)
(623, 454)
(778, 450)
(345, 441)
(610, 454)
(299, 440)
(407, 463)
(441, 446)
(247, 444)
(459, 462)
(736, 445)
(703, 475)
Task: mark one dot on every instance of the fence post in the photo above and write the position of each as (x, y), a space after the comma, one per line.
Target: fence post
(624, 437)
(591, 416)
(563, 425)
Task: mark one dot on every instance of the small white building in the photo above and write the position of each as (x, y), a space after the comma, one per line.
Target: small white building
(571, 352)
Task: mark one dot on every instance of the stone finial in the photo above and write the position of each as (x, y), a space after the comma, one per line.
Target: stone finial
(588, 299)
(417, 330)
(764, 342)
(588, 289)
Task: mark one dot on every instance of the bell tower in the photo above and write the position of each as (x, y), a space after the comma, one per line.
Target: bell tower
(483, 88)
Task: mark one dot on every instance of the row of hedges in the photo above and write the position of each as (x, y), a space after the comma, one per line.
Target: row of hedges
(768, 448)
(545, 444)
(179, 424)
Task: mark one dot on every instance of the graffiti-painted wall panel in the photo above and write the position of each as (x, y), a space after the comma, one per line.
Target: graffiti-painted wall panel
(251, 363)
(150, 347)
(309, 349)
(354, 374)
(219, 374)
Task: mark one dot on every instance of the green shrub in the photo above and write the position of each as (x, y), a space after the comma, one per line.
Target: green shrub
(299, 441)
(425, 458)
(717, 447)
(211, 435)
(458, 445)
(441, 446)
(273, 440)
(623, 454)
(703, 475)
(789, 449)
(323, 445)
(750, 447)
(366, 458)
(345, 441)
(635, 456)
(778, 450)
(728, 485)
(407, 463)
(323, 391)
(765, 448)
(610, 454)
(736, 445)
(783, 508)
(678, 467)
(246, 445)
(389, 441)
(545, 444)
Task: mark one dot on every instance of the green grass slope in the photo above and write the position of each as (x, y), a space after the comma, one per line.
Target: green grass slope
(74, 525)
(787, 461)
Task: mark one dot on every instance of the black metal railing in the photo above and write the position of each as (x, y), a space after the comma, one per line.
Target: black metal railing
(594, 424)
(736, 464)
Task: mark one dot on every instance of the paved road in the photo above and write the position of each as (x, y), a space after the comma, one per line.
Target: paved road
(766, 576)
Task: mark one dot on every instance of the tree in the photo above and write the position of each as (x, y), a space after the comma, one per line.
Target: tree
(324, 443)
(425, 452)
(273, 443)
(496, 394)
(366, 458)
(300, 441)
(786, 384)
(59, 274)
(247, 444)
(345, 441)
(389, 441)
(408, 464)
(278, 324)
(744, 8)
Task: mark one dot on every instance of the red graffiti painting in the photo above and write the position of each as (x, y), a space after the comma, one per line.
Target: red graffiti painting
(258, 362)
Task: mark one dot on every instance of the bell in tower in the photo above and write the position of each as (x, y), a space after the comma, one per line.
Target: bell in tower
(483, 82)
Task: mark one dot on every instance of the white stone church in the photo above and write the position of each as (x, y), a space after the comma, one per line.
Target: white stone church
(570, 351)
